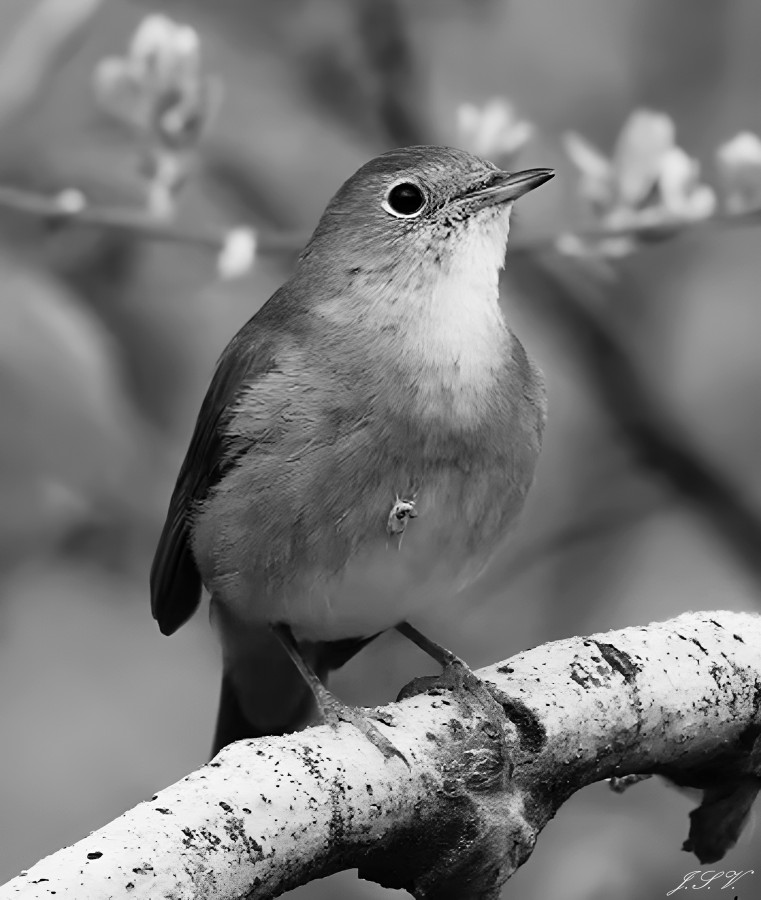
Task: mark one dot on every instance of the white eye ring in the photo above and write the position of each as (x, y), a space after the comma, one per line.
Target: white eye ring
(405, 199)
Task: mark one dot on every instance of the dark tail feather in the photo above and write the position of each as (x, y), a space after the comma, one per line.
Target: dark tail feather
(233, 724)
(262, 690)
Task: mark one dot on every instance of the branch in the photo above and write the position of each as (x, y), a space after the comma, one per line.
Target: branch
(643, 416)
(643, 233)
(69, 207)
(389, 60)
(680, 699)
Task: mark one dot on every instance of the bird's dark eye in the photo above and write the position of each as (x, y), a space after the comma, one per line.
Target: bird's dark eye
(404, 200)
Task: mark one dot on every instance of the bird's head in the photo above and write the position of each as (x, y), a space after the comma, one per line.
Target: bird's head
(404, 264)
(421, 207)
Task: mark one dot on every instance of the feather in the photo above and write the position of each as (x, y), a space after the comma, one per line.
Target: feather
(175, 579)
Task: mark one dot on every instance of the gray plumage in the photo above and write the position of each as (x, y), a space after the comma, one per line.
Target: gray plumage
(383, 369)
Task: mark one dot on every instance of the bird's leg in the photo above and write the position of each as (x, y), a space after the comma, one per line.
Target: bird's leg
(457, 673)
(331, 708)
(442, 656)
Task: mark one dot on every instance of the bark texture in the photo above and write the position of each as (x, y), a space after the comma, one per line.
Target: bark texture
(680, 698)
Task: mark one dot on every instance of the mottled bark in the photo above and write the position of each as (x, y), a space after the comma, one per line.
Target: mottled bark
(681, 699)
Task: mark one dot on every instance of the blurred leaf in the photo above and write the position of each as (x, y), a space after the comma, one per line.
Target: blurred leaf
(70, 437)
(717, 823)
(35, 49)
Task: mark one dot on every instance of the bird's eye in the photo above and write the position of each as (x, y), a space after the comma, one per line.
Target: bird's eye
(404, 200)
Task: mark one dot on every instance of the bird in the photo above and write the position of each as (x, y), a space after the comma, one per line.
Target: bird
(366, 443)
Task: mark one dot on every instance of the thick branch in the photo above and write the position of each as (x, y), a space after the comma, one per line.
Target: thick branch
(680, 699)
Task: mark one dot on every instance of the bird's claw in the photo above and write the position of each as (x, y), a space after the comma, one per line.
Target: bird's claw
(334, 712)
(458, 676)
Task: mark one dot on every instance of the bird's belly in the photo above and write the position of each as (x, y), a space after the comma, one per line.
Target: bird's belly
(383, 584)
(390, 577)
(327, 565)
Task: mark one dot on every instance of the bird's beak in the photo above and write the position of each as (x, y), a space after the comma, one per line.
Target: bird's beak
(509, 186)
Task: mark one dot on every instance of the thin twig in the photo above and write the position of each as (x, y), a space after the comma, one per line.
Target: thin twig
(643, 233)
(141, 224)
(71, 209)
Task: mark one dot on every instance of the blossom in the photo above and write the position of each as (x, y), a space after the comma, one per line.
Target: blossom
(683, 196)
(493, 130)
(71, 202)
(648, 182)
(159, 85)
(739, 162)
(237, 254)
(160, 89)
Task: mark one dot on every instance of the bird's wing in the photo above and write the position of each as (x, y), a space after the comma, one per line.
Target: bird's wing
(175, 579)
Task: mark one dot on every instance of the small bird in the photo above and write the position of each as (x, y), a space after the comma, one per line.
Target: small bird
(368, 439)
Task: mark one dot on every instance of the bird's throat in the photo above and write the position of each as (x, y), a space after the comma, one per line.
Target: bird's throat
(428, 324)
(455, 351)
(454, 338)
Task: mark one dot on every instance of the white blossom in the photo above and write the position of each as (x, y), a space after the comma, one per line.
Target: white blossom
(159, 88)
(237, 254)
(739, 162)
(641, 149)
(71, 201)
(493, 130)
(647, 182)
(682, 194)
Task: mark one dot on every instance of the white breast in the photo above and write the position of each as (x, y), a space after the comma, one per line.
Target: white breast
(437, 320)
(455, 334)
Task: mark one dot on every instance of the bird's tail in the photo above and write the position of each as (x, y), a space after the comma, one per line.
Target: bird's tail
(263, 692)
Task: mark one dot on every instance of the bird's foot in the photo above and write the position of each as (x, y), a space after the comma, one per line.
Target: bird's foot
(456, 676)
(334, 712)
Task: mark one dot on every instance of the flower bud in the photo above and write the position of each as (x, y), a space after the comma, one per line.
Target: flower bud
(739, 162)
(237, 254)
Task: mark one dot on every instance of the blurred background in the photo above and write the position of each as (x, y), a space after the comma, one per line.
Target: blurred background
(648, 497)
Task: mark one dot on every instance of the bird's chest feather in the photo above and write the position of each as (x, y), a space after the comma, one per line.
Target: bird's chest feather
(306, 533)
